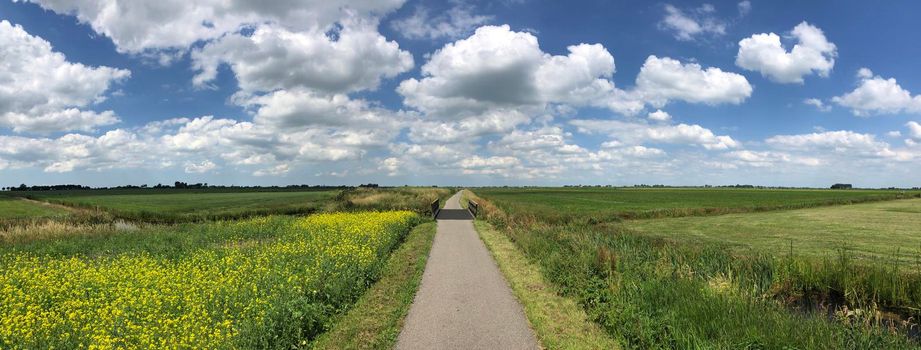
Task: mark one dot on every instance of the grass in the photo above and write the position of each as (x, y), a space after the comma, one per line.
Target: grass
(417, 199)
(610, 204)
(192, 206)
(377, 318)
(649, 292)
(872, 232)
(12, 209)
(558, 322)
(271, 282)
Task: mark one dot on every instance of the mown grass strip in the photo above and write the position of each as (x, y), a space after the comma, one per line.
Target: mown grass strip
(377, 318)
(559, 322)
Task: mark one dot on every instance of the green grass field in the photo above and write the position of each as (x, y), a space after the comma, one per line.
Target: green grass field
(725, 281)
(882, 231)
(190, 206)
(604, 203)
(12, 208)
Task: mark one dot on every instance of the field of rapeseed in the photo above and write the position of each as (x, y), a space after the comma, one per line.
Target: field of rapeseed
(277, 290)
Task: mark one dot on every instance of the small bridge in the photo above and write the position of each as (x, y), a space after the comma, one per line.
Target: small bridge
(454, 214)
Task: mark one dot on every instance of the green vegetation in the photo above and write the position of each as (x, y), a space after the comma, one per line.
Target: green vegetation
(416, 199)
(377, 318)
(271, 282)
(190, 206)
(872, 232)
(610, 204)
(558, 322)
(12, 208)
(650, 292)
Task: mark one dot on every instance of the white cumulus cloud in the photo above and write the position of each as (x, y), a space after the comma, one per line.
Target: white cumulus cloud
(40, 91)
(764, 53)
(877, 95)
(275, 58)
(664, 79)
(138, 26)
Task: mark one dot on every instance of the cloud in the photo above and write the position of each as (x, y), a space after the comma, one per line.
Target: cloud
(631, 133)
(842, 145)
(495, 121)
(914, 130)
(278, 170)
(199, 168)
(660, 116)
(141, 26)
(687, 26)
(770, 158)
(745, 7)
(274, 58)
(499, 68)
(764, 53)
(299, 108)
(876, 95)
(818, 104)
(664, 79)
(41, 92)
(454, 23)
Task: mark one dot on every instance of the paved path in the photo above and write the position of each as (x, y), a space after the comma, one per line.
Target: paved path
(464, 301)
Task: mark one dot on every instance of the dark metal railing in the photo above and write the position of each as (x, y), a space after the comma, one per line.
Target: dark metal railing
(435, 209)
(473, 207)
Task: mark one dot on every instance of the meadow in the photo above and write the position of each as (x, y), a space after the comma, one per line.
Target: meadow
(649, 289)
(180, 206)
(880, 232)
(211, 269)
(12, 208)
(607, 204)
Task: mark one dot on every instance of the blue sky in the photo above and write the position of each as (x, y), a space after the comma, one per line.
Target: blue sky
(460, 92)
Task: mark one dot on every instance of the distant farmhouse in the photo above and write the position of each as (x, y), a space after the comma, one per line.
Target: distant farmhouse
(841, 186)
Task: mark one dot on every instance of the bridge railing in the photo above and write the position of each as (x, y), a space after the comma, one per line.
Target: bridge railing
(435, 208)
(473, 207)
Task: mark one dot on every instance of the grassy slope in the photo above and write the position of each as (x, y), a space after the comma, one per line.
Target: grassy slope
(607, 203)
(377, 318)
(886, 230)
(558, 321)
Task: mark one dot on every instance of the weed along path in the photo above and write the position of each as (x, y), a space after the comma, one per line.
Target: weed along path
(463, 301)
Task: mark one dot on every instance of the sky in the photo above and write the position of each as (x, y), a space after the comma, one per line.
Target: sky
(513, 92)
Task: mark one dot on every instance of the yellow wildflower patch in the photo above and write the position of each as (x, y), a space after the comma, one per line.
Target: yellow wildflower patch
(277, 292)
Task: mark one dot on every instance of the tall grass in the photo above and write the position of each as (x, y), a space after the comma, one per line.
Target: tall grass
(656, 293)
(417, 199)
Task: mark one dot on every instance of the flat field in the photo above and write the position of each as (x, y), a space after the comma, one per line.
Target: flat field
(187, 206)
(12, 208)
(882, 231)
(601, 203)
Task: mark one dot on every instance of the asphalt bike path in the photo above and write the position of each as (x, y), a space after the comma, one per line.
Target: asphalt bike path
(463, 302)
